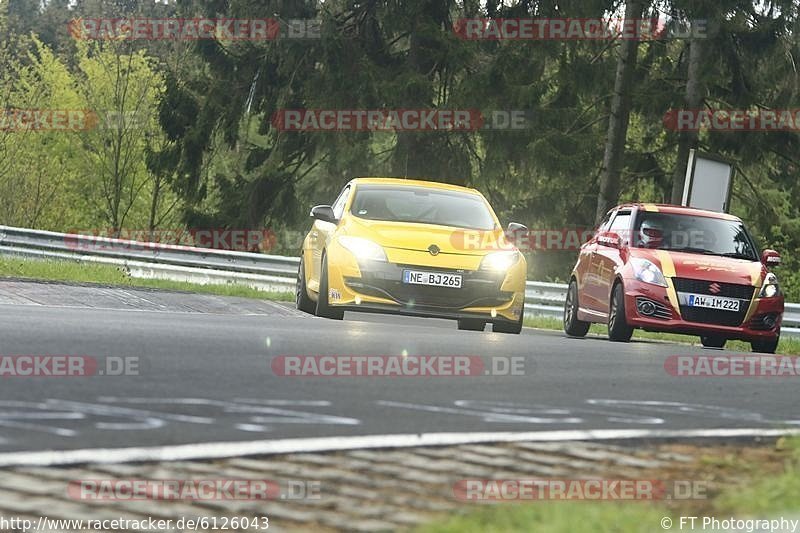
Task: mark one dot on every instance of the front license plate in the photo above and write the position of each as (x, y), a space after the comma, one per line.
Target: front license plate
(713, 302)
(436, 279)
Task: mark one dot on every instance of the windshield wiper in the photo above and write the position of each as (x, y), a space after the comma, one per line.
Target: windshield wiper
(691, 250)
(737, 255)
(733, 255)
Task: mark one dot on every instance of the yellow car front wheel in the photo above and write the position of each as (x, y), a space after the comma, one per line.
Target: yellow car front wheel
(509, 327)
(324, 309)
(301, 299)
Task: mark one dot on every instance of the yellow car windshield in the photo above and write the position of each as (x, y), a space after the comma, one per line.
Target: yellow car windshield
(406, 203)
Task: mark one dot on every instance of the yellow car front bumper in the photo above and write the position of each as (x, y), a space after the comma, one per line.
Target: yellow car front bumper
(369, 285)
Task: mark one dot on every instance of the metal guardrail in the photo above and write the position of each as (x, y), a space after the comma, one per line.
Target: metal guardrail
(189, 256)
(205, 265)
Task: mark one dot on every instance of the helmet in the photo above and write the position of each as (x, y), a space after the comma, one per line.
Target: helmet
(651, 234)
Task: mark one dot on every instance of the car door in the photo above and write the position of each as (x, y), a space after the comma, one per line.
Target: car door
(588, 286)
(606, 259)
(320, 234)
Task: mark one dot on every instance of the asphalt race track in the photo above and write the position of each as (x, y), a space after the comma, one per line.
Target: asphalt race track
(204, 375)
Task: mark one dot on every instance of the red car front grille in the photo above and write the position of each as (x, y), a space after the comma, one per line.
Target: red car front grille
(717, 317)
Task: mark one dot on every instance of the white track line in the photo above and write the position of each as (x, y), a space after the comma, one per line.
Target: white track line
(221, 450)
(158, 311)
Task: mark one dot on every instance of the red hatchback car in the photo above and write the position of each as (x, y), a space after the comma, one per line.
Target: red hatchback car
(676, 269)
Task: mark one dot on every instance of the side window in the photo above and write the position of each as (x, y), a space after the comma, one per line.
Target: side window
(622, 225)
(604, 224)
(338, 205)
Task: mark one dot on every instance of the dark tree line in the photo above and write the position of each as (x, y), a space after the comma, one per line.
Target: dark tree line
(595, 133)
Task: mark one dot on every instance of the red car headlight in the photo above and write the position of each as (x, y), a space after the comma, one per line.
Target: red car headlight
(648, 272)
(770, 288)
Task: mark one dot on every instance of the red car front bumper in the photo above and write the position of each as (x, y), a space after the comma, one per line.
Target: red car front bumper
(761, 320)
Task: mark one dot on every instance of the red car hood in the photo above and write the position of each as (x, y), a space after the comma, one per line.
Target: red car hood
(705, 267)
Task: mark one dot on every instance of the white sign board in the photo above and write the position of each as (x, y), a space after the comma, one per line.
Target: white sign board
(708, 182)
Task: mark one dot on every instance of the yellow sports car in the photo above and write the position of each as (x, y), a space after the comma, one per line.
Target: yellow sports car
(393, 245)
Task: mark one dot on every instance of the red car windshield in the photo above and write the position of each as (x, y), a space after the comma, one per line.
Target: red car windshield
(694, 234)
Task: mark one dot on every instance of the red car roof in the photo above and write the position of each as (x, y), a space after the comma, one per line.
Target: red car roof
(678, 210)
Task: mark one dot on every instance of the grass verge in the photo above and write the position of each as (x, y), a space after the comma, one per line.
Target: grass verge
(553, 517)
(767, 495)
(759, 493)
(74, 272)
(786, 346)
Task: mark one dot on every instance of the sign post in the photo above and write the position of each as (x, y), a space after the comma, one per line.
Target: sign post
(708, 183)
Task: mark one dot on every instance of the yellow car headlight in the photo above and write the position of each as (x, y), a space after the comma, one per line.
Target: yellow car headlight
(500, 261)
(363, 249)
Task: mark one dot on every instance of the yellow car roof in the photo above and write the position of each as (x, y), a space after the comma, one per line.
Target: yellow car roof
(418, 183)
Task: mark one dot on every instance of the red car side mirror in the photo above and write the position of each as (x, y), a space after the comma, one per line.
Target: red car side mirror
(770, 258)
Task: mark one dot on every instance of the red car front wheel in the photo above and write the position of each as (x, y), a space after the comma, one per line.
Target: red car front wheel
(572, 326)
(618, 328)
(766, 346)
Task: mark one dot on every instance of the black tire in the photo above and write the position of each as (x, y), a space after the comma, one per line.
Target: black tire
(572, 326)
(513, 328)
(471, 324)
(324, 310)
(766, 346)
(301, 299)
(618, 328)
(712, 341)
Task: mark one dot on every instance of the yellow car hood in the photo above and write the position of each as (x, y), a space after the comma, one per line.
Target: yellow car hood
(413, 236)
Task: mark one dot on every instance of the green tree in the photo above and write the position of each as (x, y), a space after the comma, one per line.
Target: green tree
(123, 87)
(35, 165)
